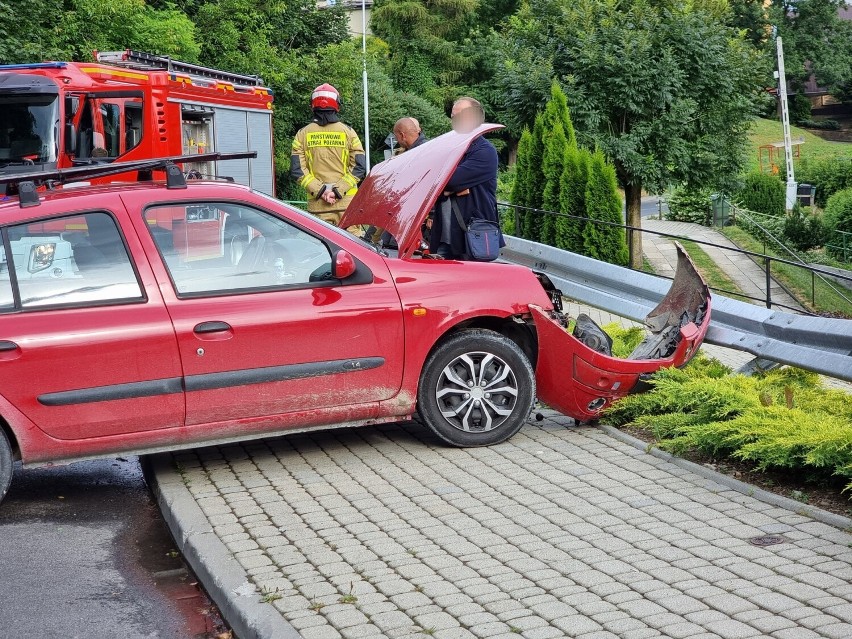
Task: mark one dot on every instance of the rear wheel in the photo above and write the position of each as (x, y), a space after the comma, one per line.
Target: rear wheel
(476, 389)
(6, 464)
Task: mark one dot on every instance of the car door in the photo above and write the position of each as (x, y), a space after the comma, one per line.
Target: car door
(261, 327)
(87, 348)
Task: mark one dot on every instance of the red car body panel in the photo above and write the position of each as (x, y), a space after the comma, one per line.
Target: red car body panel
(580, 382)
(322, 324)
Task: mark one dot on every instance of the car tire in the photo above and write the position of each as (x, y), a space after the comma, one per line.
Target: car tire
(7, 464)
(476, 389)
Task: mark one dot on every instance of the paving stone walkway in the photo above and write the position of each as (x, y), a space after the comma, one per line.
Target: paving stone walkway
(748, 276)
(560, 532)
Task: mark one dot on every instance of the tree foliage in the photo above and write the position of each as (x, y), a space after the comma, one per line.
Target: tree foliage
(666, 90)
(35, 30)
(572, 200)
(838, 217)
(422, 35)
(603, 204)
(816, 40)
(556, 175)
(762, 193)
(556, 146)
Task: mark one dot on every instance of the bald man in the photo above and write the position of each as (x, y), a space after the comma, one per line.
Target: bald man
(407, 132)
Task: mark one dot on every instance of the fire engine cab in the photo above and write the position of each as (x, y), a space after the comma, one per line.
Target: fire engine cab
(130, 105)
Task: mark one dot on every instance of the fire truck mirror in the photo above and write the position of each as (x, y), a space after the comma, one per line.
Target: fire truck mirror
(70, 138)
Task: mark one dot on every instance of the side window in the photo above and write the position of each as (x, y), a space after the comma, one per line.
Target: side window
(111, 122)
(78, 260)
(218, 248)
(132, 124)
(107, 129)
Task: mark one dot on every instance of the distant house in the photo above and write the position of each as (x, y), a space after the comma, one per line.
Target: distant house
(353, 10)
(819, 95)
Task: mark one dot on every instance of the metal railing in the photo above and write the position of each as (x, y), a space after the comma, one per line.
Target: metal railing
(751, 218)
(764, 260)
(845, 247)
(818, 344)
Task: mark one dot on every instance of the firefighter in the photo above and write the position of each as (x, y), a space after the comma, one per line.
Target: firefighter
(328, 159)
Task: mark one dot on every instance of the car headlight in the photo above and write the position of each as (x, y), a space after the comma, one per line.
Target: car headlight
(41, 257)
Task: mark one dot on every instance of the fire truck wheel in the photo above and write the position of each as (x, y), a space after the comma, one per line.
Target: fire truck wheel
(476, 389)
(6, 464)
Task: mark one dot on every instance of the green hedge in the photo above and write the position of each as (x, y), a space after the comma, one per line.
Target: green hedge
(781, 419)
(687, 204)
(762, 193)
(838, 217)
(828, 175)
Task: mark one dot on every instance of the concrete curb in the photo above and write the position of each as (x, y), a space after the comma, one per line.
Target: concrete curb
(839, 521)
(224, 579)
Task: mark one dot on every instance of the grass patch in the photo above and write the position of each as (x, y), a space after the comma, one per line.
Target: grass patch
(647, 267)
(768, 131)
(824, 299)
(715, 277)
(782, 419)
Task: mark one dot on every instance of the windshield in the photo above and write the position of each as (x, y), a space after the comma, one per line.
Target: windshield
(29, 127)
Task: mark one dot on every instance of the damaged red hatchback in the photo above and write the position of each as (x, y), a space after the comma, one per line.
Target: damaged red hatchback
(157, 316)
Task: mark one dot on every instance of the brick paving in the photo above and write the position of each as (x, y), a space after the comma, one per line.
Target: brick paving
(560, 532)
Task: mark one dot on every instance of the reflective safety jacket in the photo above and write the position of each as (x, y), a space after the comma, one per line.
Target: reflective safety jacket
(330, 154)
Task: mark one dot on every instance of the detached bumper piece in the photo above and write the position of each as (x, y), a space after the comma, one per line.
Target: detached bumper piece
(577, 375)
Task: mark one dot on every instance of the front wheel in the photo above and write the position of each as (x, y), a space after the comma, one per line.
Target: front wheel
(476, 389)
(6, 464)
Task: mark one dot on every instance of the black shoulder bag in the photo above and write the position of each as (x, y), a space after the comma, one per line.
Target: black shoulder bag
(482, 237)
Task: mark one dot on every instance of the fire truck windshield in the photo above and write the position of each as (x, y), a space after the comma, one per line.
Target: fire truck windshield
(29, 128)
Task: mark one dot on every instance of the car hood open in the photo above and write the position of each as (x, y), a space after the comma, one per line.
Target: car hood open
(399, 192)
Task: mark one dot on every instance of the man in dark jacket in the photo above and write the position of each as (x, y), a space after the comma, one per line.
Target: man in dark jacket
(473, 186)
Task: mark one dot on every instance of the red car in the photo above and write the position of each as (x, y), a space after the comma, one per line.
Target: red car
(150, 316)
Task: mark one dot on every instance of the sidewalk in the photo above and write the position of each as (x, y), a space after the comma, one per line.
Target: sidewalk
(748, 276)
(559, 532)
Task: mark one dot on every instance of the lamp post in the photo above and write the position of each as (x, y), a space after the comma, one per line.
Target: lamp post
(785, 123)
(366, 94)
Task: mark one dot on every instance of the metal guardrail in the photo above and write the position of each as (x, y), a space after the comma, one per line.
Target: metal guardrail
(764, 260)
(818, 344)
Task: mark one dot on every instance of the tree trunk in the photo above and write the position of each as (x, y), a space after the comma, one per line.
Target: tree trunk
(633, 195)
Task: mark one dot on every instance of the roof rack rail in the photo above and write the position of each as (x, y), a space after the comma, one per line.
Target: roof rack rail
(142, 61)
(25, 183)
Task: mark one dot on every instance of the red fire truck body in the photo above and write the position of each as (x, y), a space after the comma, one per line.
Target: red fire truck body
(131, 106)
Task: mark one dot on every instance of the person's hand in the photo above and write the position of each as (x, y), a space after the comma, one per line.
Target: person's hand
(328, 197)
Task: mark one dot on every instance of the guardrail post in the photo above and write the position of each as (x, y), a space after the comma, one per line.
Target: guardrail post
(630, 247)
(813, 289)
(768, 282)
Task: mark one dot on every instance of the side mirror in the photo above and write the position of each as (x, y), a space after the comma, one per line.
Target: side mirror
(70, 138)
(343, 266)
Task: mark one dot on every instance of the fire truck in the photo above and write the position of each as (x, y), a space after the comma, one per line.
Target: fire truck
(129, 105)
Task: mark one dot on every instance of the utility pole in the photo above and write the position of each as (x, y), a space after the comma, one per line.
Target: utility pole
(785, 123)
(366, 94)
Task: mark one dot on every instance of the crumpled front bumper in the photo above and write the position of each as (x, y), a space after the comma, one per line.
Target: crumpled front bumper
(580, 381)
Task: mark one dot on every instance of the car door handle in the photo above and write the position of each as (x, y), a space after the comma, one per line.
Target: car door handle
(6, 345)
(211, 327)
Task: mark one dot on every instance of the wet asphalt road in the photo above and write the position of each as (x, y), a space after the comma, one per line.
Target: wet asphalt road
(84, 552)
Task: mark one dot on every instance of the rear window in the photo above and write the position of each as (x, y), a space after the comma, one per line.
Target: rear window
(78, 260)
